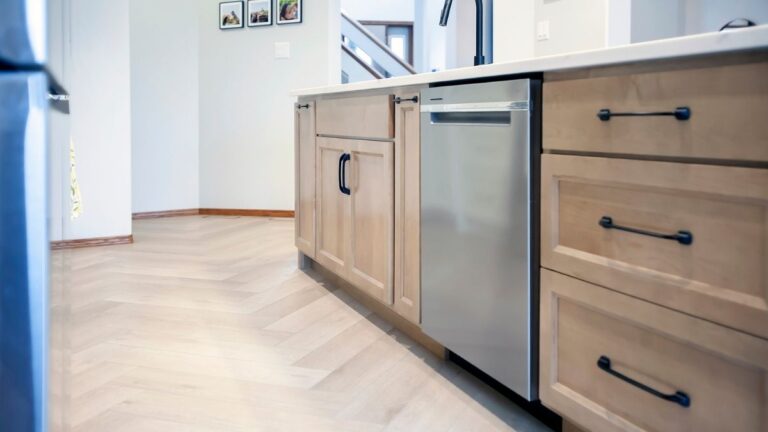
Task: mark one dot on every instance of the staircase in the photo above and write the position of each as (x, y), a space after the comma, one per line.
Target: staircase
(364, 57)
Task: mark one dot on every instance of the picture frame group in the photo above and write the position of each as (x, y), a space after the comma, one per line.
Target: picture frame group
(259, 13)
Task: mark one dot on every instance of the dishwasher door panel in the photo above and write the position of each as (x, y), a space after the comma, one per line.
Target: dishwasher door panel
(476, 243)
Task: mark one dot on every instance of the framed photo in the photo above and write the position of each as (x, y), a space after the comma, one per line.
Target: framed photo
(259, 13)
(231, 15)
(289, 11)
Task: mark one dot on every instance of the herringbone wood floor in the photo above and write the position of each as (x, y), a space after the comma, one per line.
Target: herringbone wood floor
(206, 324)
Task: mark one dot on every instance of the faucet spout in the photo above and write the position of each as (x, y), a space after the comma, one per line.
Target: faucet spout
(479, 33)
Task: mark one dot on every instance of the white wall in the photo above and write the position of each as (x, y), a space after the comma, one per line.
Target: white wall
(164, 75)
(656, 19)
(246, 113)
(575, 25)
(709, 15)
(97, 74)
(513, 30)
(380, 10)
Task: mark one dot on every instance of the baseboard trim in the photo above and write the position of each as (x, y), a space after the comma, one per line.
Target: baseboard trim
(214, 212)
(247, 212)
(91, 242)
(165, 214)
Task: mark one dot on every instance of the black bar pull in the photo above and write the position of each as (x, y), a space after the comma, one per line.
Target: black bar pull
(303, 106)
(680, 113)
(345, 157)
(677, 397)
(414, 99)
(682, 237)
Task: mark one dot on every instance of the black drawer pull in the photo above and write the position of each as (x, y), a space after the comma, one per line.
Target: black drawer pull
(678, 397)
(303, 106)
(345, 157)
(680, 113)
(682, 237)
(414, 99)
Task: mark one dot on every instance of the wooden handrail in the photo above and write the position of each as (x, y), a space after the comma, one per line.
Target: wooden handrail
(378, 43)
(362, 63)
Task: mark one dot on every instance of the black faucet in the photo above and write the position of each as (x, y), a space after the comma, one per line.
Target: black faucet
(479, 57)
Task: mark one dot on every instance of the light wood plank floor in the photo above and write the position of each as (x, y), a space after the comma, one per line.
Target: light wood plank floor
(206, 324)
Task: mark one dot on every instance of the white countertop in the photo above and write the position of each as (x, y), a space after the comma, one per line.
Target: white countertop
(707, 43)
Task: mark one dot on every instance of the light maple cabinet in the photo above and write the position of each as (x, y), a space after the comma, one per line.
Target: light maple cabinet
(407, 286)
(615, 363)
(332, 206)
(367, 183)
(654, 295)
(356, 212)
(305, 177)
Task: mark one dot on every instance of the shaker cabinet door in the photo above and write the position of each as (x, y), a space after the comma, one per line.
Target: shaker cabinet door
(332, 206)
(371, 217)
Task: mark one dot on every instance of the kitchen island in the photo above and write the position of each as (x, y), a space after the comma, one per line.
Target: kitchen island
(651, 229)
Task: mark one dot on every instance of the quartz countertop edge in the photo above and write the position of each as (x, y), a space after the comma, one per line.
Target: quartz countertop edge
(688, 46)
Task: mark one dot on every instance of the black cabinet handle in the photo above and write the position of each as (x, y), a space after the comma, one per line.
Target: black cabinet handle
(303, 106)
(414, 99)
(341, 162)
(677, 397)
(345, 157)
(680, 113)
(682, 237)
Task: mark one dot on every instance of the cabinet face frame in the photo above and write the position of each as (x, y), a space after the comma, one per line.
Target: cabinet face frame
(305, 189)
(407, 284)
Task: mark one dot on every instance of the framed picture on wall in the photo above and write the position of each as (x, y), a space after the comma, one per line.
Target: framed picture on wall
(289, 11)
(230, 15)
(259, 13)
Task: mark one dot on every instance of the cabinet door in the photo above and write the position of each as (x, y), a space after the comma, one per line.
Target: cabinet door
(407, 284)
(371, 216)
(332, 206)
(305, 178)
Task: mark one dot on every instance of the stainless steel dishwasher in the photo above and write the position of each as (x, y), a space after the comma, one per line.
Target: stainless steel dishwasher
(479, 154)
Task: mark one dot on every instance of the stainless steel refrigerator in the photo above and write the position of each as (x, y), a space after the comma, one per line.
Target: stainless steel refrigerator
(23, 211)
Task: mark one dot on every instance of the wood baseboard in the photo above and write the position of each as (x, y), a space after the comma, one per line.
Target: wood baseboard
(165, 214)
(247, 212)
(91, 242)
(214, 212)
(410, 329)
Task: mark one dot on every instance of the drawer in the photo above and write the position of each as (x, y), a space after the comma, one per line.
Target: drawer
(357, 117)
(594, 340)
(722, 275)
(729, 105)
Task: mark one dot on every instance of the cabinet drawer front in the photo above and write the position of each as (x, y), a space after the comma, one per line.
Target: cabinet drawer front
(722, 372)
(729, 105)
(722, 275)
(357, 117)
